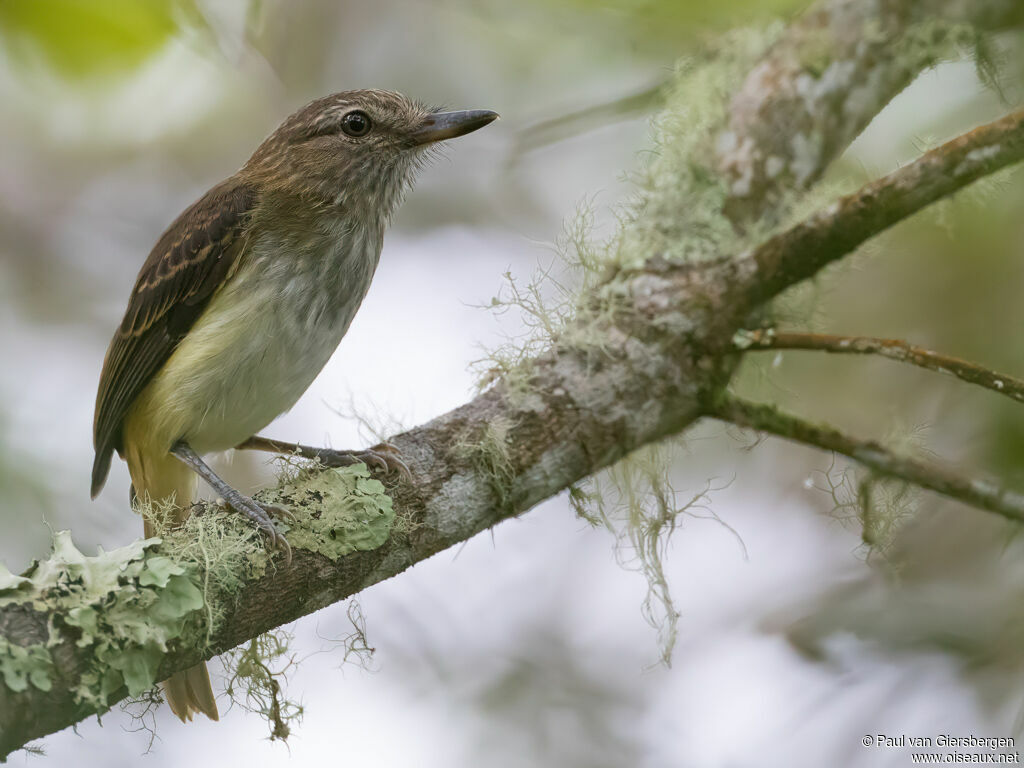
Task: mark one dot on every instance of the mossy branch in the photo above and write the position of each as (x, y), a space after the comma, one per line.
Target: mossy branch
(825, 80)
(801, 251)
(792, 116)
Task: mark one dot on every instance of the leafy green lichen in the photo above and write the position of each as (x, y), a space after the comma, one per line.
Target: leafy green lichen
(24, 664)
(225, 550)
(125, 606)
(344, 510)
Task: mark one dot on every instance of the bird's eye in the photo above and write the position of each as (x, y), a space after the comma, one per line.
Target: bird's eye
(356, 123)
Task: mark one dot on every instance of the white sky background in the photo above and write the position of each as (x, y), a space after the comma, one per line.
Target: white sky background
(539, 610)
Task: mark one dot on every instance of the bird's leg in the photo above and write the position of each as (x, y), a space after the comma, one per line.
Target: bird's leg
(255, 511)
(384, 456)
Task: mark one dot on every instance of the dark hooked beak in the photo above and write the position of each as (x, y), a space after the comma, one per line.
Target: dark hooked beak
(447, 125)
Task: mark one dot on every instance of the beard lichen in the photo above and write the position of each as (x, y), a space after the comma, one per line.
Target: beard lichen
(636, 501)
(257, 672)
(488, 452)
(676, 214)
(880, 507)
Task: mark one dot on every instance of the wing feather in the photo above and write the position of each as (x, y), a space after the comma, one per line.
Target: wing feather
(186, 266)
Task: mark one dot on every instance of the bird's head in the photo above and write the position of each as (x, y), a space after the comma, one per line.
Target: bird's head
(358, 150)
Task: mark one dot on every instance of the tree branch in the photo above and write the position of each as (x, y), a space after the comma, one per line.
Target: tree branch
(974, 492)
(801, 251)
(792, 117)
(901, 351)
(825, 80)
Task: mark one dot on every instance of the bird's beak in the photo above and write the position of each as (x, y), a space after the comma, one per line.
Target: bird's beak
(447, 125)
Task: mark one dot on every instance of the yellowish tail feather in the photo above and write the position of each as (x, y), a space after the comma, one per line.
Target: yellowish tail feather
(158, 477)
(189, 692)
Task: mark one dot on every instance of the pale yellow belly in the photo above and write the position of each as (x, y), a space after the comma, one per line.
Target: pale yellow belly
(248, 359)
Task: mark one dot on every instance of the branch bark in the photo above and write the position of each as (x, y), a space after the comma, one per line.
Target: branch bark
(653, 367)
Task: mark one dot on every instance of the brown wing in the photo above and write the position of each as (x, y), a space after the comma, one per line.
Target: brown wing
(184, 269)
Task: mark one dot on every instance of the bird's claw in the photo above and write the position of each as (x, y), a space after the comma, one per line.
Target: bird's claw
(384, 457)
(260, 514)
(276, 510)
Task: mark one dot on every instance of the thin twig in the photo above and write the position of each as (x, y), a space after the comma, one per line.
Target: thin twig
(894, 349)
(975, 492)
(569, 125)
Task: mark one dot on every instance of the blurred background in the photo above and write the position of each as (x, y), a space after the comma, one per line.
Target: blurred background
(527, 646)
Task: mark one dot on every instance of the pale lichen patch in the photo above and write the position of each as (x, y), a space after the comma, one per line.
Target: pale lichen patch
(340, 510)
(976, 157)
(125, 606)
(460, 490)
(774, 166)
(24, 665)
(806, 151)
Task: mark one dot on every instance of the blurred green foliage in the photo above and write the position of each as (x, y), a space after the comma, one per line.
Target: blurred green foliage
(88, 38)
(679, 20)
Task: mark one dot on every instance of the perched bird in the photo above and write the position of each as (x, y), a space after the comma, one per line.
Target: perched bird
(245, 297)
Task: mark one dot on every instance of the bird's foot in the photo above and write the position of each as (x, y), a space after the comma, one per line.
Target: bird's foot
(254, 510)
(384, 457)
(261, 514)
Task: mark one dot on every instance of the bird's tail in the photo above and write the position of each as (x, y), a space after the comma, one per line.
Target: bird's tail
(158, 477)
(189, 692)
